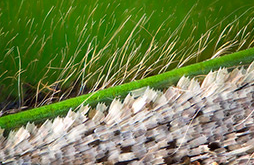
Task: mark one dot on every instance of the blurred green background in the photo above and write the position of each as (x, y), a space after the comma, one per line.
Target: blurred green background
(53, 50)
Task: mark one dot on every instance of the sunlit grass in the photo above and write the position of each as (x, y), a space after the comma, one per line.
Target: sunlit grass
(51, 51)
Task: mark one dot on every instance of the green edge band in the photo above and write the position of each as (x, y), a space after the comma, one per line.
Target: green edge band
(160, 81)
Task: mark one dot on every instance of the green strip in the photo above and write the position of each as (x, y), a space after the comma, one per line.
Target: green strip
(160, 81)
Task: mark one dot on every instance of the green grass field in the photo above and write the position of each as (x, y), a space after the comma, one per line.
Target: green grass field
(53, 50)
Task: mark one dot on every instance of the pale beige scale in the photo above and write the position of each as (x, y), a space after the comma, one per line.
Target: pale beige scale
(192, 123)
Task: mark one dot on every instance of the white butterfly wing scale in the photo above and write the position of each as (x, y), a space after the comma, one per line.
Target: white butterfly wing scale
(212, 122)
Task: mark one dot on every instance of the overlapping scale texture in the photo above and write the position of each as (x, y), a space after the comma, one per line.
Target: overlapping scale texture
(211, 122)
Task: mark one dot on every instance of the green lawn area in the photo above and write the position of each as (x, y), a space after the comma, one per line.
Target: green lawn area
(53, 50)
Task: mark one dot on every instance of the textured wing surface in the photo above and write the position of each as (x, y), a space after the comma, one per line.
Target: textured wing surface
(208, 123)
